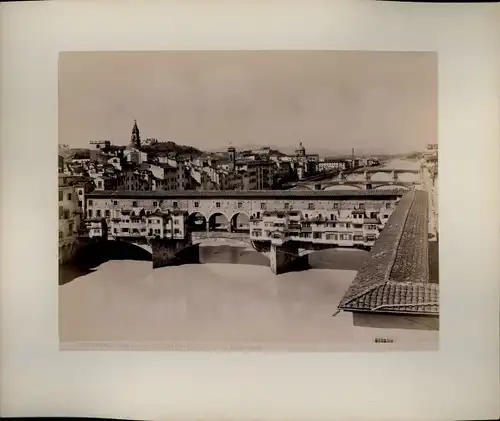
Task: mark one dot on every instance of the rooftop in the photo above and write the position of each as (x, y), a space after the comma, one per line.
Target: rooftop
(396, 277)
(263, 194)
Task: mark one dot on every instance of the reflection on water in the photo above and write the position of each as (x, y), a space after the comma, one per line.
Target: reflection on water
(95, 254)
(90, 258)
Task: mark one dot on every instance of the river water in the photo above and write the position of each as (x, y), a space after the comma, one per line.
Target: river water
(231, 299)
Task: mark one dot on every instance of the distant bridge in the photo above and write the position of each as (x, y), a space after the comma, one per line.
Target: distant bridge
(352, 184)
(365, 179)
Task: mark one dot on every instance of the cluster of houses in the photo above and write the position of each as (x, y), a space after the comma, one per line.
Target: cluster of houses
(110, 167)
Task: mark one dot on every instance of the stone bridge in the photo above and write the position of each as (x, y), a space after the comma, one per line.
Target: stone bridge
(355, 185)
(282, 257)
(367, 179)
(138, 218)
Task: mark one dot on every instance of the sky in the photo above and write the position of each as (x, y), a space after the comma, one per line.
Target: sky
(383, 102)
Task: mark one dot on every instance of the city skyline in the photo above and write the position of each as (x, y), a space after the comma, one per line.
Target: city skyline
(209, 100)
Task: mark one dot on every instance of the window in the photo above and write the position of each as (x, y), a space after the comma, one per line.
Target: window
(258, 214)
(176, 222)
(60, 195)
(331, 237)
(90, 202)
(287, 205)
(155, 204)
(358, 238)
(61, 212)
(70, 227)
(362, 206)
(175, 204)
(60, 235)
(125, 230)
(115, 230)
(98, 213)
(90, 213)
(134, 204)
(107, 213)
(99, 184)
(196, 204)
(310, 206)
(66, 214)
(177, 231)
(80, 203)
(335, 206)
(387, 205)
(332, 216)
(157, 231)
(115, 202)
(240, 205)
(263, 205)
(217, 204)
(317, 235)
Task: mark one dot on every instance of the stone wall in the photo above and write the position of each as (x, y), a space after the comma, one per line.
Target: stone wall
(174, 252)
(283, 257)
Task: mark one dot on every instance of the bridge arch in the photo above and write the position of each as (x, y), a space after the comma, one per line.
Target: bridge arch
(197, 221)
(303, 187)
(381, 175)
(240, 222)
(218, 221)
(341, 187)
(390, 187)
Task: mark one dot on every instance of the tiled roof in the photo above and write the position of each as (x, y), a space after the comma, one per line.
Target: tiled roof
(396, 277)
(295, 194)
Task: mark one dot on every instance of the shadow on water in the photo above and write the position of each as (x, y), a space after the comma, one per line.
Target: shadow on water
(338, 259)
(96, 253)
(92, 255)
(232, 254)
(324, 259)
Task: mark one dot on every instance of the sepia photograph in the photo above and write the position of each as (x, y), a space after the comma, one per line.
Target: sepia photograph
(248, 200)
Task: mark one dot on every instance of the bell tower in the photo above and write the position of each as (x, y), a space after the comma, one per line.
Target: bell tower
(231, 151)
(135, 140)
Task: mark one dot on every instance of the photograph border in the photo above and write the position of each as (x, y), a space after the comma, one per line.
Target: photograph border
(458, 382)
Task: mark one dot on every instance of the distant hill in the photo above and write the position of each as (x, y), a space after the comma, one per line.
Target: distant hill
(74, 153)
(171, 147)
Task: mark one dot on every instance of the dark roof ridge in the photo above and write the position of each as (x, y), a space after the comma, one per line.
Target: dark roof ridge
(400, 236)
(394, 251)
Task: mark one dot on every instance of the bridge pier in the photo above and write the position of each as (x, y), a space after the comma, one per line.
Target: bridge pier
(284, 257)
(169, 252)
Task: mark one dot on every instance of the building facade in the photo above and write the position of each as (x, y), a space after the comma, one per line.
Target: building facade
(70, 214)
(343, 218)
